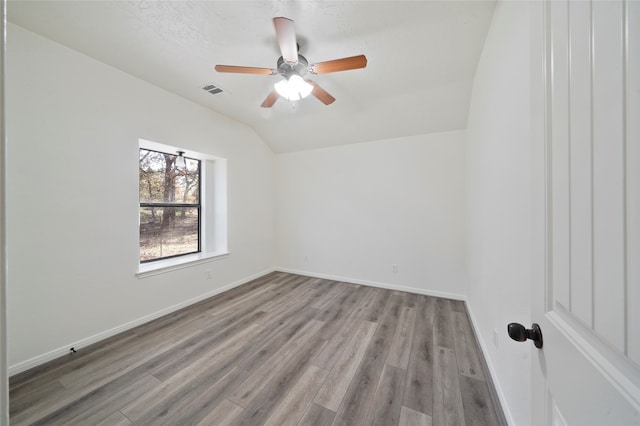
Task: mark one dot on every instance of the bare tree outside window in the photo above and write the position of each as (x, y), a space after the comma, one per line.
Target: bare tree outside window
(170, 208)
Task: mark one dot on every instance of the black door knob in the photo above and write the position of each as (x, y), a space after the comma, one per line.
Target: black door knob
(520, 334)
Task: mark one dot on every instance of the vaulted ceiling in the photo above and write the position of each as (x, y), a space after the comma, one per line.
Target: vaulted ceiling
(422, 57)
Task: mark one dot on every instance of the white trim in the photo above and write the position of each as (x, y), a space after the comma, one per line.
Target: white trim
(386, 286)
(4, 382)
(63, 350)
(168, 265)
(492, 371)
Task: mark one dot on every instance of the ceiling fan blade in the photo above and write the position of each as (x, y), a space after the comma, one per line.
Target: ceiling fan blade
(344, 64)
(322, 95)
(286, 34)
(245, 70)
(270, 99)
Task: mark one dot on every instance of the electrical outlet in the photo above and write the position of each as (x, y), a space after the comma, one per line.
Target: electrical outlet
(207, 275)
(394, 268)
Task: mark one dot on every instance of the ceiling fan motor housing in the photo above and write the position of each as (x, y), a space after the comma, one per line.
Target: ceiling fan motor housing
(286, 69)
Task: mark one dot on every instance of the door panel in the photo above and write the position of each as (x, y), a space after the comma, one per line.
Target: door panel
(580, 162)
(585, 105)
(608, 172)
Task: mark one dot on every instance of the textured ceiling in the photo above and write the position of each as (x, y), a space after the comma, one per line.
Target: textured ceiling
(422, 57)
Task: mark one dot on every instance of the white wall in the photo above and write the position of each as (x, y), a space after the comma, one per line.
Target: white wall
(4, 373)
(499, 203)
(73, 126)
(352, 212)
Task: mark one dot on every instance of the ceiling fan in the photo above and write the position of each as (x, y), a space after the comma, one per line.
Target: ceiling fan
(293, 67)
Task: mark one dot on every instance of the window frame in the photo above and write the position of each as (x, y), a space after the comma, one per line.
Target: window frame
(198, 206)
(213, 218)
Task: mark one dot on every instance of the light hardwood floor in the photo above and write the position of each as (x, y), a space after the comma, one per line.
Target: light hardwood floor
(281, 350)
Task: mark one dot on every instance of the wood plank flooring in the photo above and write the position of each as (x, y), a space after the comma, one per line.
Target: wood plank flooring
(281, 350)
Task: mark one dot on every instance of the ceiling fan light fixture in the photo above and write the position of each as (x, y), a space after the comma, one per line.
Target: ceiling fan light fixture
(283, 89)
(300, 86)
(293, 89)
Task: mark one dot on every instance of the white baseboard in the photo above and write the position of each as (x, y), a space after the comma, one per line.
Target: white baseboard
(492, 371)
(63, 350)
(386, 286)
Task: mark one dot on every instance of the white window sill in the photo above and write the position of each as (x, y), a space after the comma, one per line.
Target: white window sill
(163, 266)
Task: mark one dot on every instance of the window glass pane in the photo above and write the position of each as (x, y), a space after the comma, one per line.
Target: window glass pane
(162, 181)
(168, 231)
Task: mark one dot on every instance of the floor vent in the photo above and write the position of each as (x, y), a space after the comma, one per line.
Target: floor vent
(212, 89)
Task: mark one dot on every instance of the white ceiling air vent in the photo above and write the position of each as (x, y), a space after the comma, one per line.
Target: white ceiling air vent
(214, 90)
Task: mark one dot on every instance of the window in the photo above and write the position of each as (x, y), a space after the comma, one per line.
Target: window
(170, 205)
(182, 210)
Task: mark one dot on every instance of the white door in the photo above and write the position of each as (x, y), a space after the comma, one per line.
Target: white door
(586, 129)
